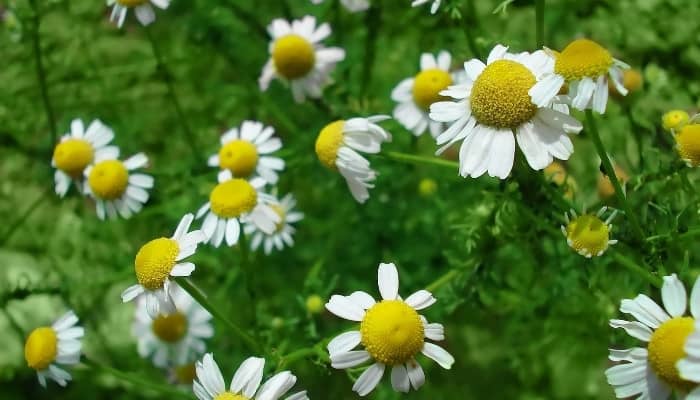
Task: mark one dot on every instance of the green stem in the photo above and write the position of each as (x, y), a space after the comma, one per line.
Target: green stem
(137, 381)
(446, 278)
(414, 159)
(291, 358)
(610, 172)
(372, 22)
(41, 74)
(539, 21)
(634, 267)
(247, 273)
(204, 302)
(470, 23)
(23, 218)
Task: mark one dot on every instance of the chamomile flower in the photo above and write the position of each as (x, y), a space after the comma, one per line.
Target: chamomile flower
(245, 151)
(351, 5)
(48, 347)
(674, 120)
(433, 8)
(689, 365)
(391, 333)
(160, 259)
(174, 338)
(77, 150)
(233, 201)
(415, 95)
(588, 234)
(142, 8)
(493, 105)
(298, 57)
(337, 148)
(586, 67)
(245, 384)
(688, 144)
(651, 372)
(116, 190)
(282, 235)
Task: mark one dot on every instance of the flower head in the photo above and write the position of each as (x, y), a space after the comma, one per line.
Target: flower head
(688, 144)
(674, 120)
(588, 234)
(284, 230)
(142, 8)
(557, 173)
(48, 347)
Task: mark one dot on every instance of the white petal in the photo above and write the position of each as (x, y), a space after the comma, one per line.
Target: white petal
(182, 269)
(633, 328)
(248, 376)
(674, 296)
(369, 379)
(645, 310)
(344, 342)
(420, 300)
(399, 379)
(415, 374)
(438, 354)
(388, 280)
(349, 359)
(344, 308)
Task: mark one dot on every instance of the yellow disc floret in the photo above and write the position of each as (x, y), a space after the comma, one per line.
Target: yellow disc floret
(232, 198)
(154, 261)
(230, 396)
(500, 98)
(688, 144)
(72, 156)
(666, 348)
(293, 56)
(583, 58)
(588, 235)
(108, 179)
(427, 87)
(132, 3)
(328, 142)
(675, 119)
(41, 348)
(170, 328)
(392, 332)
(239, 156)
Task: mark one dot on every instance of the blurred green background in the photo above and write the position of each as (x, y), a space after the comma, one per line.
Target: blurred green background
(526, 317)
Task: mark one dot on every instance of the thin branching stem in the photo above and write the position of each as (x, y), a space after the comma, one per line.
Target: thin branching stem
(137, 381)
(634, 267)
(24, 216)
(41, 73)
(416, 159)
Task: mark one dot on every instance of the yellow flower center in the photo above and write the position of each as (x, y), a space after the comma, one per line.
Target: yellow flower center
(239, 156)
(232, 198)
(41, 348)
(588, 234)
(427, 87)
(328, 142)
(293, 56)
(131, 3)
(279, 210)
(170, 328)
(154, 261)
(675, 119)
(583, 58)
(500, 96)
(108, 179)
(392, 332)
(230, 396)
(186, 373)
(666, 348)
(72, 156)
(314, 304)
(688, 142)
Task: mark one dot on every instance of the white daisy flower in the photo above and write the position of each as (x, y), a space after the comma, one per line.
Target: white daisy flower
(433, 8)
(588, 234)
(245, 152)
(77, 150)
(585, 66)
(48, 347)
(391, 332)
(176, 338)
(298, 57)
(116, 190)
(415, 95)
(245, 383)
(160, 259)
(232, 202)
(282, 235)
(142, 8)
(651, 373)
(337, 148)
(689, 366)
(351, 5)
(493, 105)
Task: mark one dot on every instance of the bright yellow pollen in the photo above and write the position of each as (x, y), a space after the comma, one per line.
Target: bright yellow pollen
(587, 234)
(72, 156)
(232, 198)
(583, 58)
(427, 87)
(186, 373)
(230, 396)
(239, 156)
(170, 328)
(108, 179)
(279, 210)
(154, 261)
(293, 56)
(675, 119)
(666, 348)
(328, 142)
(688, 144)
(131, 3)
(392, 332)
(500, 96)
(41, 348)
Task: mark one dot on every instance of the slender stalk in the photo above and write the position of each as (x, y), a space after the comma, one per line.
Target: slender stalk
(24, 216)
(632, 266)
(291, 358)
(247, 273)
(610, 172)
(414, 159)
(539, 21)
(441, 281)
(372, 22)
(41, 73)
(247, 18)
(137, 381)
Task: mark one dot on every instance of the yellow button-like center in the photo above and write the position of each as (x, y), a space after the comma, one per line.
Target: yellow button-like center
(170, 328)
(427, 87)
(154, 262)
(583, 58)
(72, 156)
(666, 348)
(314, 304)
(588, 234)
(500, 96)
(41, 348)
(108, 179)
(232, 198)
(675, 119)
(239, 156)
(688, 143)
(186, 373)
(230, 396)
(132, 3)
(328, 142)
(392, 332)
(293, 56)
